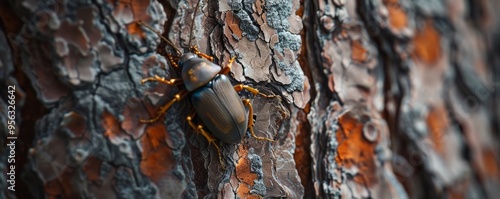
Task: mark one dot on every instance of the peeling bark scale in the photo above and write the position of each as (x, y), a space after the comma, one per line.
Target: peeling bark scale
(379, 98)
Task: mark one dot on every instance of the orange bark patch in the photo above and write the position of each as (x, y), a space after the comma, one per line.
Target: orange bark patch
(111, 125)
(437, 122)
(64, 186)
(75, 123)
(397, 16)
(157, 159)
(135, 29)
(355, 151)
(53, 188)
(490, 169)
(459, 190)
(456, 194)
(139, 8)
(359, 53)
(427, 44)
(302, 155)
(92, 169)
(244, 175)
(233, 24)
(300, 11)
(331, 83)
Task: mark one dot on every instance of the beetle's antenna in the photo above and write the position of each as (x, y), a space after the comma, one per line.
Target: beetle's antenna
(161, 36)
(192, 24)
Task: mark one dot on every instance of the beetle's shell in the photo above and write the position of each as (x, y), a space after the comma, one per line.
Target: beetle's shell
(197, 72)
(221, 109)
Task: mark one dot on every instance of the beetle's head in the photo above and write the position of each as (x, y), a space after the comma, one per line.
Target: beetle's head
(197, 72)
(185, 57)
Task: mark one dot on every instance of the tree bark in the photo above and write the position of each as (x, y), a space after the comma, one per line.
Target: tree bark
(378, 99)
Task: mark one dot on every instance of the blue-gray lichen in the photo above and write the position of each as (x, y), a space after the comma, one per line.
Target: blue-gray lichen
(278, 17)
(288, 40)
(256, 167)
(244, 12)
(295, 73)
(277, 14)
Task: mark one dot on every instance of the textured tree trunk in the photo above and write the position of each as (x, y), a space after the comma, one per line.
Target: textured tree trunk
(378, 99)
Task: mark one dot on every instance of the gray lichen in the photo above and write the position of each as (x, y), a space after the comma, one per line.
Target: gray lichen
(277, 12)
(288, 40)
(295, 74)
(256, 167)
(243, 9)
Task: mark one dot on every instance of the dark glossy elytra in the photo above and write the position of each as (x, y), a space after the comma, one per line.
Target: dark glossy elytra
(221, 109)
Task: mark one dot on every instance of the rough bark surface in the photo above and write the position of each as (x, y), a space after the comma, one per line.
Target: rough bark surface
(379, 98)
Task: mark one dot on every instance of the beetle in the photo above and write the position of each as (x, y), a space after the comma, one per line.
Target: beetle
(214, 99)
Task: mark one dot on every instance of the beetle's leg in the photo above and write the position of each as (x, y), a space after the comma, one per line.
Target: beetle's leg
(240, 87)
(210, 138)
(195, 50)
(157, 78)
(164, 109)
(173, 60)
(228, 66)
(246, 102)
